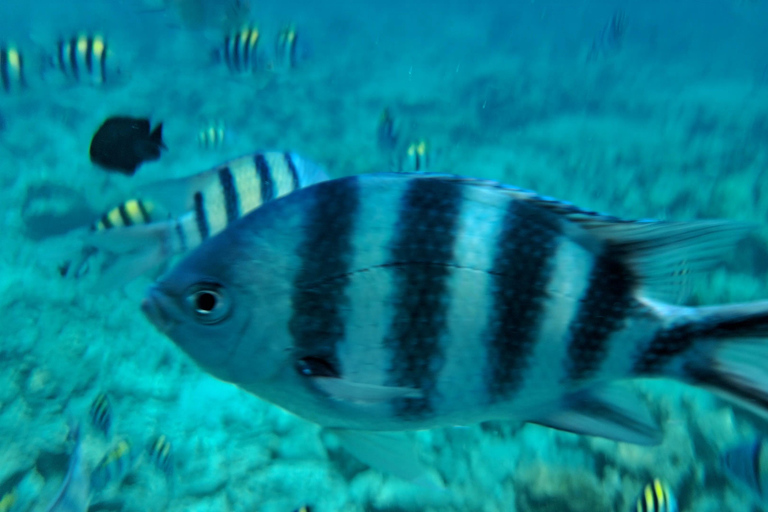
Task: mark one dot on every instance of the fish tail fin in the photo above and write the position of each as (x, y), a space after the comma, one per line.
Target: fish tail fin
(156, 136)
(729, 355)
(133, 251)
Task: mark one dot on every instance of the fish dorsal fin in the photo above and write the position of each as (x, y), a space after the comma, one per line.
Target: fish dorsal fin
(664, 256)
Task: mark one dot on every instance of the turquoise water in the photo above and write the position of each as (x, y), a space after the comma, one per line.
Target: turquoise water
(671, 124)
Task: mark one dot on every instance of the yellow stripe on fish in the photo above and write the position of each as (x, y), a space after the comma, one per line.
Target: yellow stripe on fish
(285, 47)
(129, 213)
(656, 497)
(83, 57)
(240, 50)
(8, 501)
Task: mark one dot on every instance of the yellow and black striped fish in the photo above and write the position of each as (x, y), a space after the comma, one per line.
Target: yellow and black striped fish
(201, 206)
(656, 497)
(114, 466)
(212, 135)
(240, 51)
(84, 58)
(101, 413)
(160, 453)
(129, 213)
(417, 156)
(305, 508)
(285, 47)
(11, 69)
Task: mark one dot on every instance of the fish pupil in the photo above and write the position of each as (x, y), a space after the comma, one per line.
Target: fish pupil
(316, 367)
(205, 302)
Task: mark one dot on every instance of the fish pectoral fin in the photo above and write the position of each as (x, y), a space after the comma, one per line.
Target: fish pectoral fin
(357, 392)
(393, 453)
(612, 413)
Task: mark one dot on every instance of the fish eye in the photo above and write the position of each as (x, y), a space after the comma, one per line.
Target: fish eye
(208, 303)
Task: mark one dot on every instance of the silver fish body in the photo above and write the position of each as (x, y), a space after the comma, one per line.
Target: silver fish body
(389, 302)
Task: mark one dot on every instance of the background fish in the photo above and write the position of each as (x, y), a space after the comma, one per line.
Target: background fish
(656, 497)
(394, 302)
(75, 492)
(123, 143)
(101, 413)
(203, 205)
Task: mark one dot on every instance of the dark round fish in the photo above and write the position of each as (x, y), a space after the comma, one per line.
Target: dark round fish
(123, 143)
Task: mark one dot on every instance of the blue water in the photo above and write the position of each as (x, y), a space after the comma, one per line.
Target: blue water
(672, 123)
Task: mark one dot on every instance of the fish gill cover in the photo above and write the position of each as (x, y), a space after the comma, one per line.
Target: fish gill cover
(639, 109)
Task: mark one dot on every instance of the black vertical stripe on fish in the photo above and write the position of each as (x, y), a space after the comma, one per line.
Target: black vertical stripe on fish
(144, 213)
(667, 344)
(127, 221)
(4, 69)
(522, 266)
(265, 178)
(73, 57)
(103, 63)
(603, 309)
(228, 52)
(200, 216)
(236, 50)
(247, 48)
(319, 301)
(89, 54)
(231, 200)
(105, 221)
(295, 184)
(181, 236)
(421, 255)
(63, 57)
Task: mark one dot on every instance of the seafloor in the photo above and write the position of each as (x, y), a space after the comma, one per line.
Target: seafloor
(672, 125)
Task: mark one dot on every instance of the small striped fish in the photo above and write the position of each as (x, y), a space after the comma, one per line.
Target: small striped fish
(212, 135)
(402, 301)
(101, 413)
(12, 76)
(748, 463)
(656, 497)
(84, 58)
(160, 453)
(285, 48)
(417, 156)
(114, 466)
(240, 50)
(201, 206)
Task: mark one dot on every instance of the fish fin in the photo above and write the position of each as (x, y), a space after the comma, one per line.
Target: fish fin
(666, 255)
(610, 412)
(347, 391)
(730, 353)
(157, 136)
(393, 453)
(124, 268)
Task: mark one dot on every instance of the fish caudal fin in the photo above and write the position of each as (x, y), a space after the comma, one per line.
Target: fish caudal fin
(730, 353)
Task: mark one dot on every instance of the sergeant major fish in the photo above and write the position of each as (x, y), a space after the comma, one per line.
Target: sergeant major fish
(381, 303)
(85, 58)
(200, 205)
(656, 497)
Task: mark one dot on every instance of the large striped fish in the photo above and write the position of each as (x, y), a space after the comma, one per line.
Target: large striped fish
(137, 239)
(391, 302)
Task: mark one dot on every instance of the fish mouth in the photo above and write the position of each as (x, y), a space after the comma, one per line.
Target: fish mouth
(155, 307)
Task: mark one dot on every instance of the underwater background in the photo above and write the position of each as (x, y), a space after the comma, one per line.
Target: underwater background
(664, 116)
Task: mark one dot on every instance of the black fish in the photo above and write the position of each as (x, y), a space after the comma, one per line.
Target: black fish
(123, 143)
